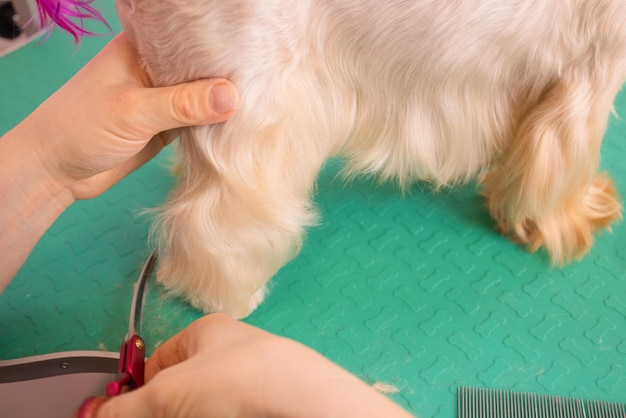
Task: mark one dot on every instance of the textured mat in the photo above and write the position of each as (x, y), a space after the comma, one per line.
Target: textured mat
(417, 291)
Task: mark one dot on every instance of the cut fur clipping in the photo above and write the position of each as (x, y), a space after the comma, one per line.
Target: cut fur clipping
(385, 388)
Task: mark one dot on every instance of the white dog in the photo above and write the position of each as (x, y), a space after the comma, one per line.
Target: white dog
(516, 93)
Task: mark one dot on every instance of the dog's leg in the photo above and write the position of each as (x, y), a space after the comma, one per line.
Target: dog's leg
(224, 235)
(243, 200)
(545, 190)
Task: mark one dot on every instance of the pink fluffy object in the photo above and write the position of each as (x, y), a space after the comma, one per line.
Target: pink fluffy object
(69, 15)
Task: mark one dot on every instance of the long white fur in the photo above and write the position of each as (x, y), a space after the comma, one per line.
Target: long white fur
(516, 93)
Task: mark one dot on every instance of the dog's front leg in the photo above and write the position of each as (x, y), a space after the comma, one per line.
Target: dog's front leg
(240, 209)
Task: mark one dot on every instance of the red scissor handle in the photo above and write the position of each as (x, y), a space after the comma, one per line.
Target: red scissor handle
(131, 367)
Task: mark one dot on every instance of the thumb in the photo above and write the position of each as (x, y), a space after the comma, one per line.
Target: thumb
(196, 103)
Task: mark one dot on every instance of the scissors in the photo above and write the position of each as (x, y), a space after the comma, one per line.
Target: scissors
(133, 351)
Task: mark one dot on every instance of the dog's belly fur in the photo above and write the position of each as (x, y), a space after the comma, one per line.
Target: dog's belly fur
(515, 93)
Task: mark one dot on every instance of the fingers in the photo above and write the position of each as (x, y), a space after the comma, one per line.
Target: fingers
(211, 330)
(132, 404)
(195, 103)
(95, 185)
(152, 148)
(200, 102)
(173, 351)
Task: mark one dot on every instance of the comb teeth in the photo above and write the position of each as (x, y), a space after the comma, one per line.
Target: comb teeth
(491, 403)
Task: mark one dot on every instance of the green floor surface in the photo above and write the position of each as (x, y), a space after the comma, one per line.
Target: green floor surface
(418, 291)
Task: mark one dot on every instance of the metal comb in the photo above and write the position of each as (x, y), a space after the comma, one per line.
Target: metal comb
(492, 403)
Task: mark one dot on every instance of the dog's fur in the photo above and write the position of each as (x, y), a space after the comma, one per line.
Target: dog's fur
(516, 93)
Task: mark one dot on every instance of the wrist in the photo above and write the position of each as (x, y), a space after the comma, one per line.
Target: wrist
(26, 172)
(30, 200)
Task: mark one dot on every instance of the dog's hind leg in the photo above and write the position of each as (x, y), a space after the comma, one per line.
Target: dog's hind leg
(546, 190)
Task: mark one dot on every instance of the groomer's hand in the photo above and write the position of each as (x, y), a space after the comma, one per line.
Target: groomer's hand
(106, 121)
(101, 125)
(219, 367)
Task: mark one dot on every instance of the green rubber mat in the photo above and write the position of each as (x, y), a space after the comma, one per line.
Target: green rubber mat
(416, 291)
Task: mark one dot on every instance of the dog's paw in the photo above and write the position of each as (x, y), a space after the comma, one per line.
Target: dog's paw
(237, 308)
(567, 233)
(206, 292)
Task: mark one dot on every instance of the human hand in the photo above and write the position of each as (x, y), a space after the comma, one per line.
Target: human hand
(220, 367)
(104, 123)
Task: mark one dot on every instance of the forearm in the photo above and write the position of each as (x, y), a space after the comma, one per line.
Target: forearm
(29, 200)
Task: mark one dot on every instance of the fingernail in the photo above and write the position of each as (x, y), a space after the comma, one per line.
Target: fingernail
(89, 407)
(224, 98)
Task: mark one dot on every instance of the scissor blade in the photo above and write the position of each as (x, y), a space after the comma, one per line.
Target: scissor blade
(136, 308)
